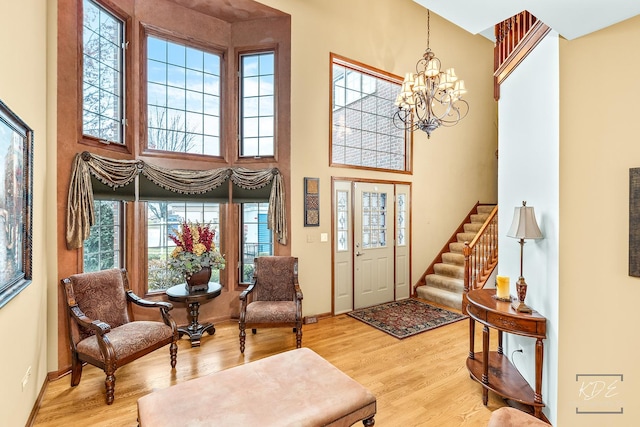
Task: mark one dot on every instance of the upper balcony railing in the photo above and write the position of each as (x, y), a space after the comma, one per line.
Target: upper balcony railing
(515, 38)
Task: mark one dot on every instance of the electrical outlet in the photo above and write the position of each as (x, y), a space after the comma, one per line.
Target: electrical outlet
(520, 348)
(25, 379)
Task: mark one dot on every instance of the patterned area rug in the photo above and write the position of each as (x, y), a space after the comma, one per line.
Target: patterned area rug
(406, 317)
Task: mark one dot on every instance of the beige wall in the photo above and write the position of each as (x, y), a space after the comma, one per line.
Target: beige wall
(452, 170)
(599, 142)
(23, 321)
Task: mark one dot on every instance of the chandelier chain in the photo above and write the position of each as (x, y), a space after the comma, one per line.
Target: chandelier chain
(428, 27)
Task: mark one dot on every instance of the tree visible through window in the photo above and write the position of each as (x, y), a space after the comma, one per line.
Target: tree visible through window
(183, 98)
(102, 74)
(103, 249)
(363, 134)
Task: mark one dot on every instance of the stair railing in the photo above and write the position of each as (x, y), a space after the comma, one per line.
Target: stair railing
(481, 255)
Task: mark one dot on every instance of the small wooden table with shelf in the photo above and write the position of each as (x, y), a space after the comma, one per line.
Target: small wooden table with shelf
(492, 369)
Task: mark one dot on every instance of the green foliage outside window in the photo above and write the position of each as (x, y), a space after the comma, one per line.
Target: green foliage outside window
(100, 252)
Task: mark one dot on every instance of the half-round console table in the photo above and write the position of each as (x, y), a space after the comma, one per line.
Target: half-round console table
(179, 293)
(492, 369)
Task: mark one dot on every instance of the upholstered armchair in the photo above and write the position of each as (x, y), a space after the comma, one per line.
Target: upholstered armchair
(274, 299)
(102, 330)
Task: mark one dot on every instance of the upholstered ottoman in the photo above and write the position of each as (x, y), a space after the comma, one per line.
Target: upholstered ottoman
(512, 417)
(295, 388)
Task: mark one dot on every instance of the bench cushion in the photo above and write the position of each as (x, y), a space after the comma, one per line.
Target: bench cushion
(295, 388)
(511, 417)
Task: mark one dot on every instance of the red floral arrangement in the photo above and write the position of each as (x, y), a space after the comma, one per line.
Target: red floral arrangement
(195, 248)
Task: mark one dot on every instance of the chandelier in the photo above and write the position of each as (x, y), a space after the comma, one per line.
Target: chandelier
(430, 98)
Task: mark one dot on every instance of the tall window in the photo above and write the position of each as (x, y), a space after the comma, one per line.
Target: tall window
(164, 219)
(183, 98)
(363, 134)
(257, 104)
(102, 74)
(103, 249)
(257, 239)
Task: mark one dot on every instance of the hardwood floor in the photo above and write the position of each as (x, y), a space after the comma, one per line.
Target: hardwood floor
(419, 381)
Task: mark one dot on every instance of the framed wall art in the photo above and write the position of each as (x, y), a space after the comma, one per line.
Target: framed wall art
(634, 222)
(311, 202)
(16, 195)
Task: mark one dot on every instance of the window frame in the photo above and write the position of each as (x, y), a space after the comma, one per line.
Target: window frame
(230, 37)
(154, 31)
(362, 68)
(126, 80)
(121, 227)
(239, 99)
(188, 206)
(241, 242)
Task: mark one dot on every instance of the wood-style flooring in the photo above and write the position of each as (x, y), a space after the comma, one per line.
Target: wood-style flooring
(418, 381)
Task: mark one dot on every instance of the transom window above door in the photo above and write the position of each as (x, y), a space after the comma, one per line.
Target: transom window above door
(362, 131)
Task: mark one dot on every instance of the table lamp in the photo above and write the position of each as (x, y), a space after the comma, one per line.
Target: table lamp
(524, 226)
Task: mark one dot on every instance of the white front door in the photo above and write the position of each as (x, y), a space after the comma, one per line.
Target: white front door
(374, 216)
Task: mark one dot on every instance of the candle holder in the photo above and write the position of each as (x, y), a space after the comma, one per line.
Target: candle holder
(502, 289)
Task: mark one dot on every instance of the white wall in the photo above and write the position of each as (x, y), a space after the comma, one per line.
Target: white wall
(528, 170)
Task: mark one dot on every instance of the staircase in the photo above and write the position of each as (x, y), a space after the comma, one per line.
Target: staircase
(443, 282)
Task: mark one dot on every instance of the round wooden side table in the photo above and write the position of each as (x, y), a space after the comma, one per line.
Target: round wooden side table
(194, 329)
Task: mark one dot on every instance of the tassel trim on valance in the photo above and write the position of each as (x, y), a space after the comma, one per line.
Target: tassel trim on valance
(119, 173)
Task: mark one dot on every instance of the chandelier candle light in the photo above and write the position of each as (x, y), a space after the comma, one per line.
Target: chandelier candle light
(430, 98)
(524, 226)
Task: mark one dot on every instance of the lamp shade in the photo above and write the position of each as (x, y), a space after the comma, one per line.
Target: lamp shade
(524, 225)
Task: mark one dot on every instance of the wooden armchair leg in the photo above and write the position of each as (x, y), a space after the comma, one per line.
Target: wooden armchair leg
(173, 351)
(299, 336)
(243, 335)
(110, 385)
(76, 369)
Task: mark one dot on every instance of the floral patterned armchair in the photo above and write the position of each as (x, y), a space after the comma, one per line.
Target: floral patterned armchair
(274, 299)
(102, 330)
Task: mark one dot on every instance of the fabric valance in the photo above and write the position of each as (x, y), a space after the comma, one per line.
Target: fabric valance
(139, 180)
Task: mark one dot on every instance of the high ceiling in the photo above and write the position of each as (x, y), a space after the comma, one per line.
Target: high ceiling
(570, 18)
(231, 10)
